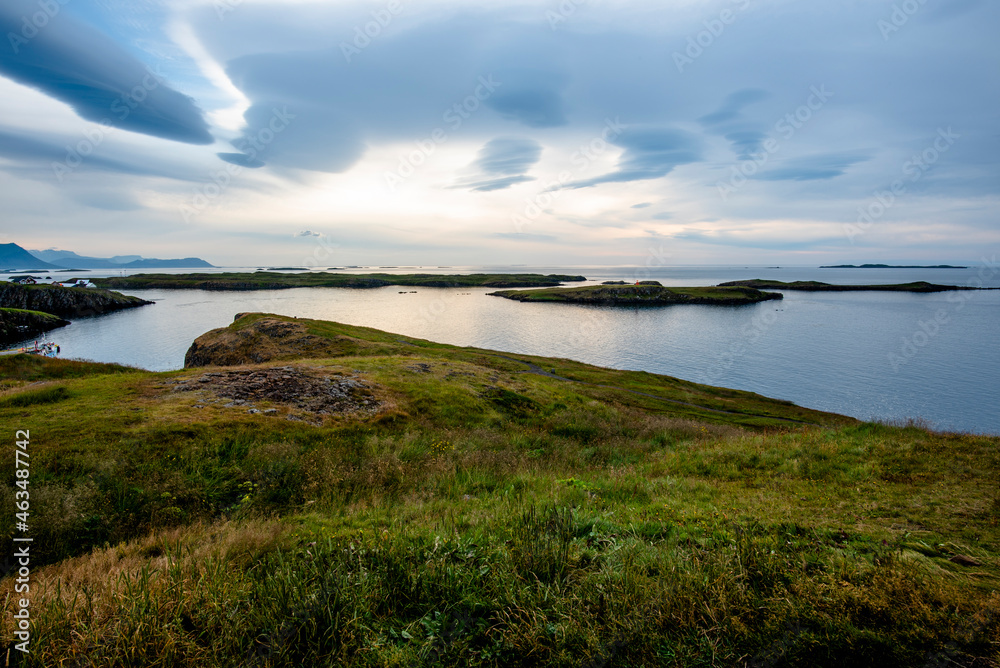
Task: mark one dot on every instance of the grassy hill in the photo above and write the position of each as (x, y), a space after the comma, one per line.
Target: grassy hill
(357, 497)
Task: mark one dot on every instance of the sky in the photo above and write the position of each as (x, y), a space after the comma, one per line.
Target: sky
(557, 133)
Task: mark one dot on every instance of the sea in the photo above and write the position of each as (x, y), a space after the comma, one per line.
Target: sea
(881, 356)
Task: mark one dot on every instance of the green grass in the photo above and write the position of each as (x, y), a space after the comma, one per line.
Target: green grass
(47, 395)
(36, 314)
(25, 367)
(490, 517)
(264, 280)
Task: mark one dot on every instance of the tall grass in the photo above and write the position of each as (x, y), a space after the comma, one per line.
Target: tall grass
(542, 586)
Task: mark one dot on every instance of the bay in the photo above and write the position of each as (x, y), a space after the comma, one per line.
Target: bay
(871, 355)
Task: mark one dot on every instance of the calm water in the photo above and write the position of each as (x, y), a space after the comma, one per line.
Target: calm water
(862, 354)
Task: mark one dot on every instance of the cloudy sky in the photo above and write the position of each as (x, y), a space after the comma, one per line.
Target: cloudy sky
(563, 133)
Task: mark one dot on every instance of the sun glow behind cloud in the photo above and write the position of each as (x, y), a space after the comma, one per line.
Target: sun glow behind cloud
(731, 157)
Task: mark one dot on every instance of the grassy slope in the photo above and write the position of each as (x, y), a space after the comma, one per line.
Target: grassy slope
(263, 280)
(488, 516)
(631, 295)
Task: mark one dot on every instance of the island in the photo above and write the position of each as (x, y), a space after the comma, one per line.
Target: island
(263, 280)
(645, 293)
(310, 493)
(818, 286)
(892, 266)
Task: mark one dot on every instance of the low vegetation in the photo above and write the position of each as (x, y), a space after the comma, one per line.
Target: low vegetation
(264, 280)
(462, 507)
(819, 286)
(649, 293)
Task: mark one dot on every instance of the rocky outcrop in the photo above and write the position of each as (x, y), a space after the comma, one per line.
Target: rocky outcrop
(310, 390)
(17, 325)
(262, 340)
(65, 302)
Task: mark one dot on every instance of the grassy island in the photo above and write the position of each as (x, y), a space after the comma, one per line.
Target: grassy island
(265, 280)
(893, 266)
(308, 493)
(819, 286)
(648, 293)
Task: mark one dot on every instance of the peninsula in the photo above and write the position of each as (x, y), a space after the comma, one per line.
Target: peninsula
(21, 325)
(27, 311)
(311, 493)
(817, 286)
(63, 301)
(264, 280)
(646, 293)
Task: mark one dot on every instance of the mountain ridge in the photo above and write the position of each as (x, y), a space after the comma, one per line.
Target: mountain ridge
(71, 260)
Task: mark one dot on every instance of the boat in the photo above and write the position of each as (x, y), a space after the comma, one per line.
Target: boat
(46, 349)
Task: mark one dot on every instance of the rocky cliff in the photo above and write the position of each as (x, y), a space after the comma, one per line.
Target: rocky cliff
(65, 302)
(17, 325)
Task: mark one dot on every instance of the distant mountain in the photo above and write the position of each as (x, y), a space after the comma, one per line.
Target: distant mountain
(70, 260)
(13, 258)
(149, 263)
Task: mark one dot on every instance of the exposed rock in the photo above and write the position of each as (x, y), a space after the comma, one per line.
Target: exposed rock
(963, 560)
(265, 340)
(310, 391)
